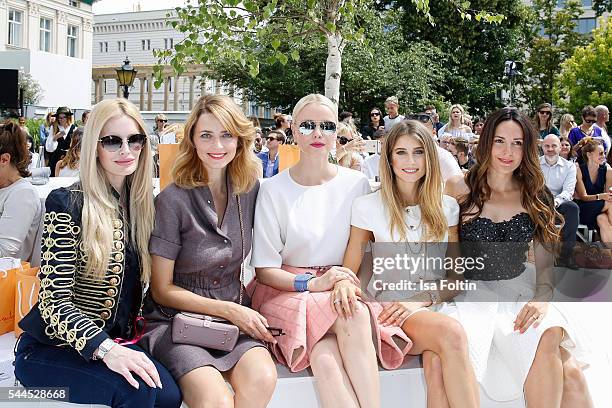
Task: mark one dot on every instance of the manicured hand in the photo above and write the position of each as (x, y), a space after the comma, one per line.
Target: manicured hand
(126, 361)
(330, 277)
(531, 314)
(344, 297)
(394, 313)
(251, 322)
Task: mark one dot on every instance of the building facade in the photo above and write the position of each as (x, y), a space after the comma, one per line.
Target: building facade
(137, 35)
(51, 40)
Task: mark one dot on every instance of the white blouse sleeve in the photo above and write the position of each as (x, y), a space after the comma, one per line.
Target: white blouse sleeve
(451, 210)
(267, 240)
(361, 213)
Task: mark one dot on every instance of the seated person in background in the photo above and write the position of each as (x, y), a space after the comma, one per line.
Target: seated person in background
(269, 159)
(593, 190)
(34, 157)
(69, 165)
(566, 149)
(172, 134)
(369, 167)
(20, 206)
(587, 128)
(560, 178)
(348, 146)
(462, 154)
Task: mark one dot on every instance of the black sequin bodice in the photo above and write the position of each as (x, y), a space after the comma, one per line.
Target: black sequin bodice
(502, 245)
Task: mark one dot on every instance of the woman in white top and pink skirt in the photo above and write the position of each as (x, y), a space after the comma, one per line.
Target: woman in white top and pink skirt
(302, 224)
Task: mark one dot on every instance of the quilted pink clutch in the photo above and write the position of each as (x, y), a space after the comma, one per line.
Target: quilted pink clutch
(204, 331)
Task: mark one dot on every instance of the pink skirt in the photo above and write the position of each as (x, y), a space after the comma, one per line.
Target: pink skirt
(306, 317)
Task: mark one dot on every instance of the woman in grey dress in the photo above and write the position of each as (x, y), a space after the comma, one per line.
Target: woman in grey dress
(197, 248)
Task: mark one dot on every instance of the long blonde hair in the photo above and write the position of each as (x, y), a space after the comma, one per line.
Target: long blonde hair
(429, 192)
(189, 171)
(100, 207)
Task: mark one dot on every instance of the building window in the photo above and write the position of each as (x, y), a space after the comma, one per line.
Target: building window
(121, 45)
(267, 112)
(15, 21)
(585, 25)
(72, 41)
(45, 35)
(146, 45)
(103, 47)
(168, 43)
(74, 3)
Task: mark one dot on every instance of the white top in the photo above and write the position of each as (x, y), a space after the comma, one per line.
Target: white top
(369, 167)
(304, 225)
(448, 165)
(389, 123)
(51, 144)
(369, 213)
(68, 172)
(606, 138)
(20, 213)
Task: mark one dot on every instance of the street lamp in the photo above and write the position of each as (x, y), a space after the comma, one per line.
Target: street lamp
(511, 69)
(126, 75)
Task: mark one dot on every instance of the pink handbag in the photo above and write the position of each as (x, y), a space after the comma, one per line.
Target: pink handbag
(209, 331)
(204, 331)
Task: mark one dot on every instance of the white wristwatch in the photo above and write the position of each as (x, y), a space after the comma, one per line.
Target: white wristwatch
(103, 348)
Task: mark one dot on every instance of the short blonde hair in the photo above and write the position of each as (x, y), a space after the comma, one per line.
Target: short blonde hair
(189, 171)
(318, 99)
(392, 99)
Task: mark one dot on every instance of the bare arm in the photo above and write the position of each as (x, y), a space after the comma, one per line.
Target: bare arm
(581, 189)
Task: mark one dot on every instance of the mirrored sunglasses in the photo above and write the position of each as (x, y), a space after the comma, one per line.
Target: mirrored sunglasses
(307, 127)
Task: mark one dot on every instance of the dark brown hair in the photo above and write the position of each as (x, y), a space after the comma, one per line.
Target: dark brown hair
(535, 197)
(13, 142)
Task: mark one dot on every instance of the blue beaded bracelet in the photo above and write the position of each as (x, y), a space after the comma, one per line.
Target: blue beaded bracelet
(300, 284)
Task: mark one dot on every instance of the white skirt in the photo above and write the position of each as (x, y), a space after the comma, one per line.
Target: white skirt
(502, 357)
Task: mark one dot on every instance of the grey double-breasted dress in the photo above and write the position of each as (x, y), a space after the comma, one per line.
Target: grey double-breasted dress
(207, 262)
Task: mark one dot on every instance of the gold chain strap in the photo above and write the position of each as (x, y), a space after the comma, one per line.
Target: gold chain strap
(242, 249)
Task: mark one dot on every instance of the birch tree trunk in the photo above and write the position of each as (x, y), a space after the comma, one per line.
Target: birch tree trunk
(333, 67)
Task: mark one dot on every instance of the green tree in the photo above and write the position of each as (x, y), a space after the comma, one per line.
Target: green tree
(473, 51)
(32, 91)
(372, 71)
(602, 6)
(239, 31)
(586, 77)
(555, 41)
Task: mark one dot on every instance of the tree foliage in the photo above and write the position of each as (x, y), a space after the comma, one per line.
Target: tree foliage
(32, 91)
(602, 6)
(586, 77)
(380, 66)
(553, 42)
(249, 31)
(473, 50)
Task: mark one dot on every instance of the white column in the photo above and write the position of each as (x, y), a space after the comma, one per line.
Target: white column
(191, 91)
(150, 81)
(85, 40)
(176, 93)
(31, 28)
(141, 83)
(61, 34)
(166, 92)
(3, 17)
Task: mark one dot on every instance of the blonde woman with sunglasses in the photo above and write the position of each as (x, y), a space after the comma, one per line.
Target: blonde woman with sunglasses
(301, 230)
(95, 270)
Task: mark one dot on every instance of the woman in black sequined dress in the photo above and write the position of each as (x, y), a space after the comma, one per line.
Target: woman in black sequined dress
(519, 342)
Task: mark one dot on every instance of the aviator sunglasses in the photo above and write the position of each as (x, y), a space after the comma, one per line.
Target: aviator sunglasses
(327, 128)
(114, 143)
